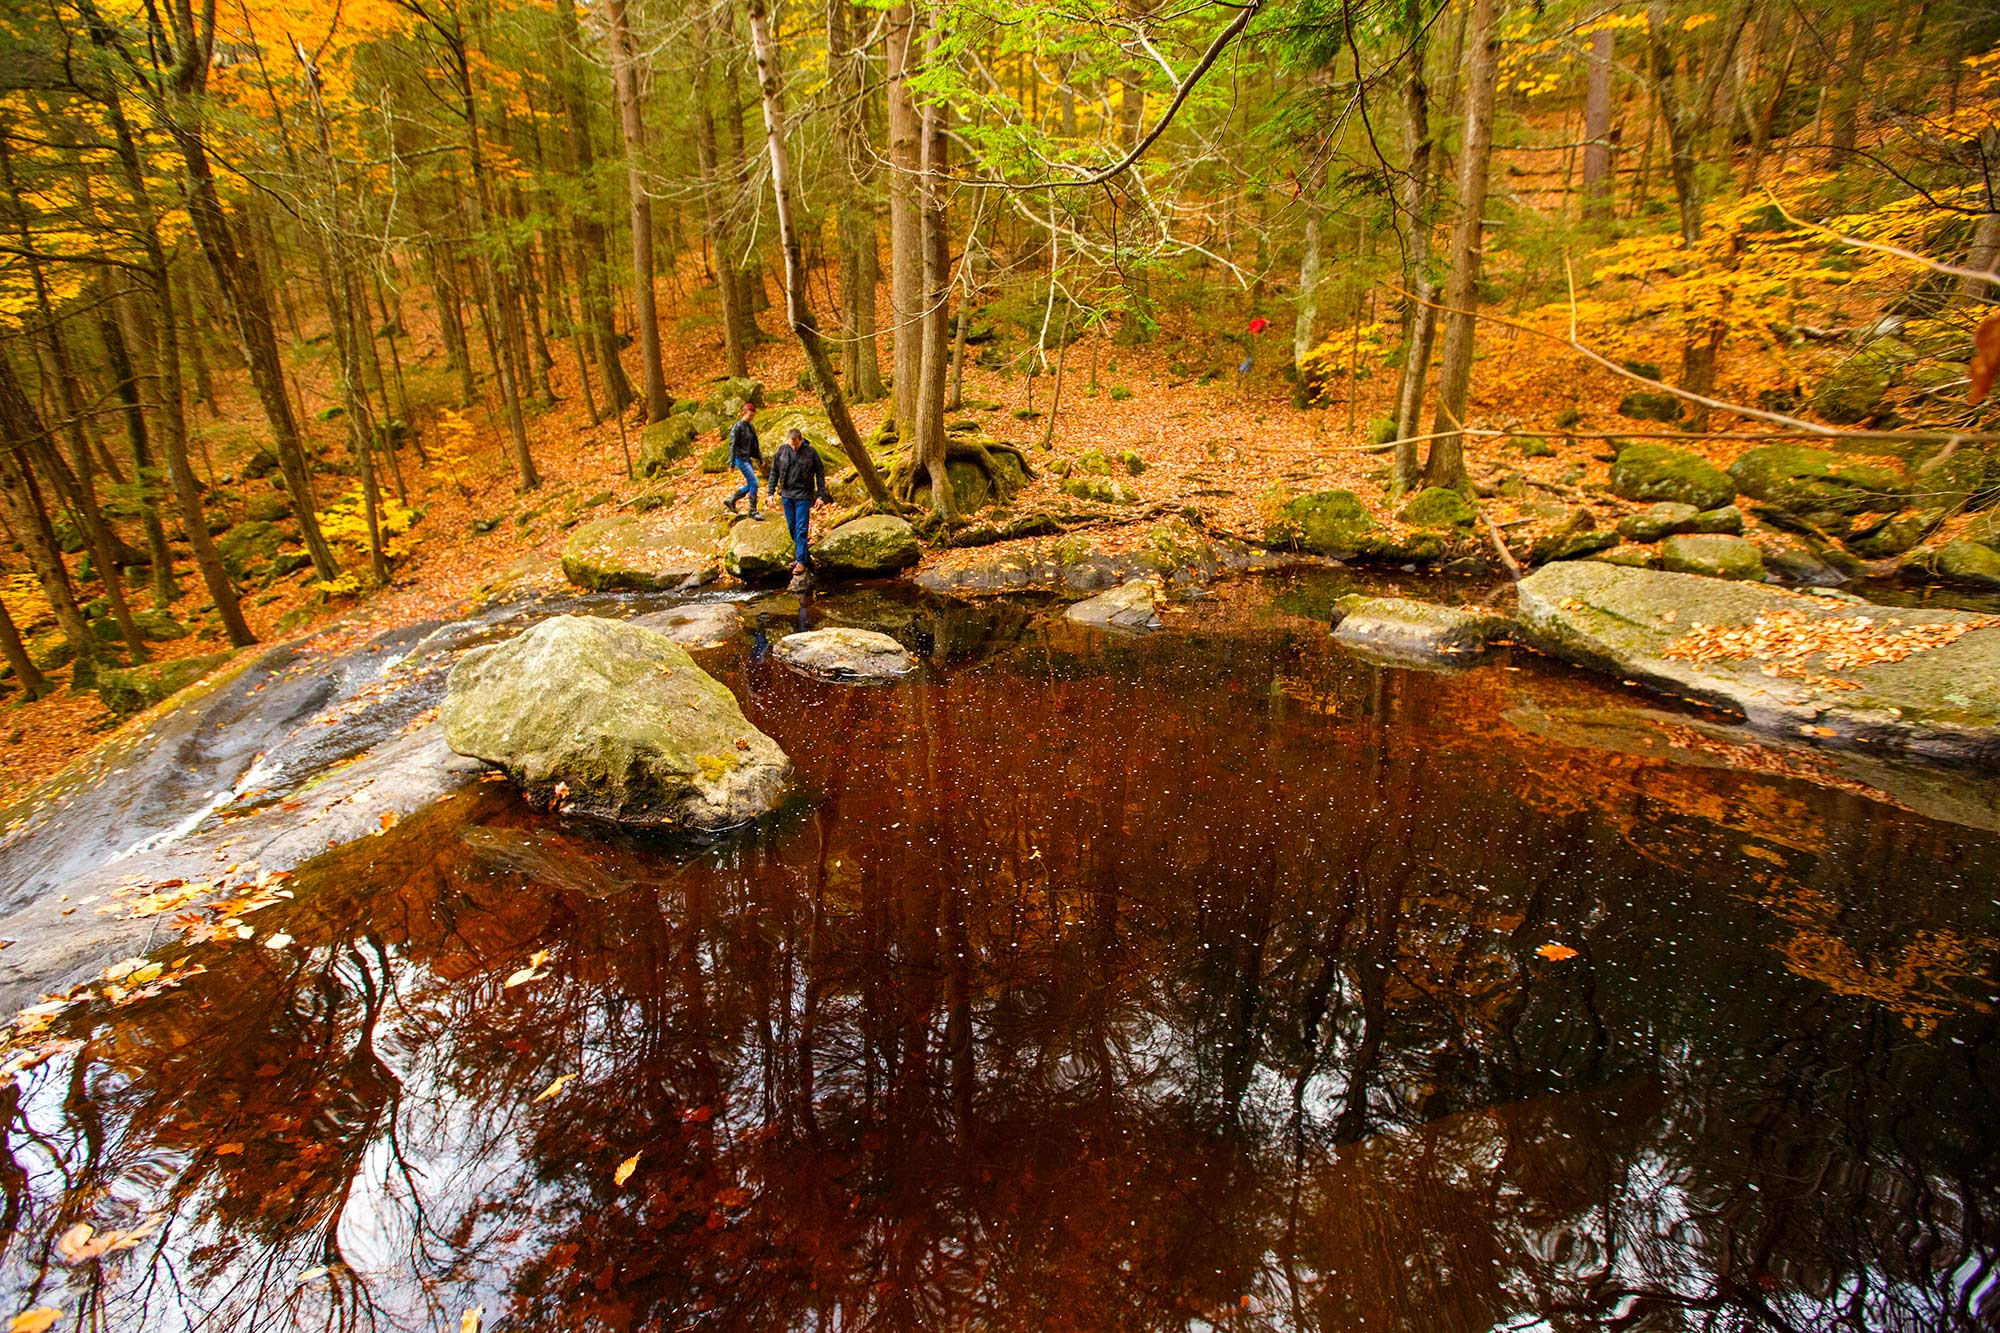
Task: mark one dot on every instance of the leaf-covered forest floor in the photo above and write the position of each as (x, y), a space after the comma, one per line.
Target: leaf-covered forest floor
(1219, 449)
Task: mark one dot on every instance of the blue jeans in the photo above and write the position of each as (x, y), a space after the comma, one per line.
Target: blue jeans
(798, 521)
(749, 487)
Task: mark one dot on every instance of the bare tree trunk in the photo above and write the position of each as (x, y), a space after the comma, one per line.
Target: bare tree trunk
(860, 260)
(906, 241)
(714, 208)
(1597, 178)
(1420, 320)
(593, 253)
(928, 438)
(1845, 106)
(625, 78)
(1445, 464)
(126, 382)
(1307, 317)
(1983, 256)
(20, 428)
(33, 683)
(796, 309)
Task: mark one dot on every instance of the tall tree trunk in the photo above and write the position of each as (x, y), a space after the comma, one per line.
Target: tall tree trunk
(716, 208)
(1445, 464)
(33, 683)
(1984, 254)
(1597, 178)
(1844, 129)
(906, 240)
(797, 311)
(593, 251)
(125, 380)
(20, 430)
(860, 259)
(1306, 319)
(632, 121)
(1418, 191)
(928, 438)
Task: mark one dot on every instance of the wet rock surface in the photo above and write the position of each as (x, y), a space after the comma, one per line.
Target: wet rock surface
(614, 721)
(1403, 628)
(759, 550)
(1131, 606)
(628, 553)
(845, 654)
(1940, 704)
(877, 545)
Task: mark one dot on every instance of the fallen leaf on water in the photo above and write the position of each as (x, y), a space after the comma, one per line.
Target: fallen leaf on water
(74, 1245)
(561, 1082)
(313, 1274)
(625, 1169)
(38, 1320)
(529, 973)
(1556, 953)
(278, 941)
(469, 1321)
(229, 1150)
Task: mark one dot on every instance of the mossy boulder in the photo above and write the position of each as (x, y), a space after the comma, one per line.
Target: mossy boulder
(716, 458)
(134, 689)
(1093, 463)
(1857, 390)
(249, 546)
(268, 507)
(1727, 519)
(844, 653)
(611, 720)
(1103, 490)
(631, 553)
(1332, 523)
(1403, 629)
(877, 545)
(1648, 472)
(1714, 555)
(1570, 545)
(758, 551)
(1968, 564)
(1650, 406)
(1381, 430)
(1438, 507)
(1658, 522)
(1893, 536)
(665, 443)
(1800, 481)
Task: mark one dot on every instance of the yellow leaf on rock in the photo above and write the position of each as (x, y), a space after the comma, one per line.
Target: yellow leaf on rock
(38, 1320)
(625, 1169)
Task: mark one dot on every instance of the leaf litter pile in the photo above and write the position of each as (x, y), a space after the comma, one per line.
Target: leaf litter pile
(1783, 640)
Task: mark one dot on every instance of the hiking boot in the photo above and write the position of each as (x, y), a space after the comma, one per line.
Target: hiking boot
(730, 505)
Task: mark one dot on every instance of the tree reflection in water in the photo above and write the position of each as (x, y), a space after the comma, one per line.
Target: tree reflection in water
(1187, 982)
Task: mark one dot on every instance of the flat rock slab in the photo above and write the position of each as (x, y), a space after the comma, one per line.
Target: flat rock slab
(1068, 568)
(759, 550)
(845, 655)
(703, 625)
(1131, 606)
(628, 553)
(1402, 629)
(611, 720)
(1942, 703)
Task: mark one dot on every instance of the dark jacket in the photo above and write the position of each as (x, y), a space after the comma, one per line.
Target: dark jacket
(797, 474)
(743, 442)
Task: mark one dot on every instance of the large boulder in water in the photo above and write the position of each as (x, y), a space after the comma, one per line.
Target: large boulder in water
(611, 720)
(878, 544)
(1832, 669)
(1803, 481)
(641, 555)
(845, 654)
(1406, 630)
(1133, 605)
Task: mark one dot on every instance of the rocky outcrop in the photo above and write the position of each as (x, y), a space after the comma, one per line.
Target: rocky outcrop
(1130, 606)
(1171, 551)
(842, 654)
(1402, 629)
(1438, 507)
(607, 719)
(641, 555)
(1941, 702)
(878, 545)
(1807, 483)
(759, 551)
(1650, 472)
(135, 689)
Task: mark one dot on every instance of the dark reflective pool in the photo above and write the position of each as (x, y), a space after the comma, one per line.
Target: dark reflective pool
(1200, 981)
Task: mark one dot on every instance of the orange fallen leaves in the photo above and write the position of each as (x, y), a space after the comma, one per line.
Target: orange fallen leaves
(1843, 642)
(532, 972)
(38, 1320)
(626, 1168)
(1556, 953)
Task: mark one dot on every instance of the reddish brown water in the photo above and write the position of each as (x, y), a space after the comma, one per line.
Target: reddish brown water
(1186, 982)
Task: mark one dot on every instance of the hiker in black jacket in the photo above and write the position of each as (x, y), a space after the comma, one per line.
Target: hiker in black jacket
(744, 455)
(798, 478)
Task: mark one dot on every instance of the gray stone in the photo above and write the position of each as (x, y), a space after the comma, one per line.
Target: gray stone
(1632, 557)
(642, 555)
(759, 551)
(1726, 518)
(1130, 606)
(1403, 629)
(876, 545)
(701, 625)
(1969, 564)
(612, 720)
(1715, 555)
(665, 443)
(1804, 481)
(845, 655)
(1658, 521)
(1892, 537)
(1807, 562)
(1941, 704)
